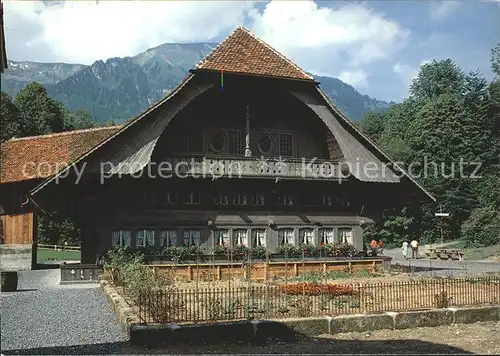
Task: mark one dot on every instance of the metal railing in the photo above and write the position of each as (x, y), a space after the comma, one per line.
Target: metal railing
(172, 305)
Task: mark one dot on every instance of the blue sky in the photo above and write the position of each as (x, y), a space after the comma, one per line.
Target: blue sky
(376, 46)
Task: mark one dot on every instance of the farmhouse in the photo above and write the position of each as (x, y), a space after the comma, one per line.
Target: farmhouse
(247, 150)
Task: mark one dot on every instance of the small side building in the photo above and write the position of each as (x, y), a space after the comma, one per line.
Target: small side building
(24, 164)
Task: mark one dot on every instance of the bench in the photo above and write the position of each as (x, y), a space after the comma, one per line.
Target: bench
(445, 254)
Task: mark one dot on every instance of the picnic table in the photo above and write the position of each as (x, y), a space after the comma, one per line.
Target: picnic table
(444, 254)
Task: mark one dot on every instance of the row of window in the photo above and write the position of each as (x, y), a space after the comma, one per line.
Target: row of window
(226, 237)
(233, 142)
(238, 198)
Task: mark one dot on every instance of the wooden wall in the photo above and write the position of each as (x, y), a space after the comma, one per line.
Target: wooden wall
(17, 229)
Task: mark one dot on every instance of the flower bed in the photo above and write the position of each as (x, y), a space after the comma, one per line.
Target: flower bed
(313, 289)
(185, 254)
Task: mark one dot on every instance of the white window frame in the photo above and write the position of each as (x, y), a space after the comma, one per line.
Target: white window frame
(240, 237)
(347, 238)
(240, 199)
(168, 237)
(259, 237)
(257, 200)
(323, 238)
(147, 237)
(221, 237)
(221, 199)
(306, 236)
(121, 237)
(191, 237)
(191, 198)
(286, 236)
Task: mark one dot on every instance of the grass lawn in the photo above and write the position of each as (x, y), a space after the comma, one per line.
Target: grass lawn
(46, 254)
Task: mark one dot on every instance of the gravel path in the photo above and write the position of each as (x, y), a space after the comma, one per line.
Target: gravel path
(448, 268)
(45, 317)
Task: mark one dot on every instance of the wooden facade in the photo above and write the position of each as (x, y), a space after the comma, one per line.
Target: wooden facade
(260, 162)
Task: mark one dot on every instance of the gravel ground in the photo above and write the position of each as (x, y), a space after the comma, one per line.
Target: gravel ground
(43, 316)
(478, 338)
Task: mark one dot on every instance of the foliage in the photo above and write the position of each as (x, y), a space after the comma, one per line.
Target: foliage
(9, 118)
(446, 129)
(483, 227)
(57, 231)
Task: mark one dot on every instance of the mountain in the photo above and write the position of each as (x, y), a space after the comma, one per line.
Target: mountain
(121, 88)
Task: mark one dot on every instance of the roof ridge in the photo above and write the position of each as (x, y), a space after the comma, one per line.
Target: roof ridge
(64, 133)
(205, 59)
(254, 36)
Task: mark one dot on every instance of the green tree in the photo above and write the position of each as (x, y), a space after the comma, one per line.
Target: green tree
(40, 114)
(483, 227)
(495, 60)
(373, 125)
(9, 118)
(78, 120)
(436, 78)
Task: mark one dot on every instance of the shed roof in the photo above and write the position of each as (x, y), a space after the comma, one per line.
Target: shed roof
(243, 53)
(42, 156)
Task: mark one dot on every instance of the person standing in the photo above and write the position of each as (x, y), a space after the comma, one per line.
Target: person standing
(414, 249)
(373, 247)
(404, 249)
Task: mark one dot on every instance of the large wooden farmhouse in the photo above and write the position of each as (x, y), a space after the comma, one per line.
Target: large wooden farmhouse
(247, 150)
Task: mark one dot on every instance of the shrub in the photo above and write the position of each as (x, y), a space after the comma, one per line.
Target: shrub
(118, 258)
(259, 252)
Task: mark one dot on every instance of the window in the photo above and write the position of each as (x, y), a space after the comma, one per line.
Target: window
(191, 237)
(168, 197)
(221, 199)
(192, 197)
(218, 142)
(122, 238)
(265, 144)
(306, 236)
(328, 200)
(258, 237)
(238, 144)
(286, 145)
(285, 236)
(193, 142)
(259, 199)
(148, 197)
(326, 236)
(240, 237)
(222, 237)
(240, 199)
(285, 199)
(345, 235)
(346, 203)
(168, 237)
(145, 238)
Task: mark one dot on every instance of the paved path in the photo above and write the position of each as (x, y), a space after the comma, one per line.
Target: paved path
(444, 268)
(45, 317)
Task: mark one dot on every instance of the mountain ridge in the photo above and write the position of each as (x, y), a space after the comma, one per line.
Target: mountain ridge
(121, 87)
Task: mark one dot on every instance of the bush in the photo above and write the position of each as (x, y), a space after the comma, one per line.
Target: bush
(259, 252)
(482, 228)
(118, 258)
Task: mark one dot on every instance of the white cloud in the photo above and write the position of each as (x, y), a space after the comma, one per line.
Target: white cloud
(440, 10)
(344, 40)
(83, 31)
(356, 78)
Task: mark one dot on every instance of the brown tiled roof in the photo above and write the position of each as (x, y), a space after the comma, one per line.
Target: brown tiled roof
(244, 53)
(42, 156)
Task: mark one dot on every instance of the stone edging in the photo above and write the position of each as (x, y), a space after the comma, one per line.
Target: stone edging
(123, 312)
(288, 329)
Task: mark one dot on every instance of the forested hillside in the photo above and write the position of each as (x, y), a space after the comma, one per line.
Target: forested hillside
(449, 117)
